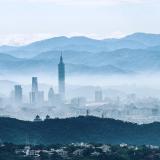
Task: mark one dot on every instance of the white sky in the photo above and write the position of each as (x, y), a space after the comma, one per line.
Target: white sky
(23, 21)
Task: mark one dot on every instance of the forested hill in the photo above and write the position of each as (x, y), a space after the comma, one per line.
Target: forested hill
(80, 129)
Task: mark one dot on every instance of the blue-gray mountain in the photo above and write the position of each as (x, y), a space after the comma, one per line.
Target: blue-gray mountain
(132, 54)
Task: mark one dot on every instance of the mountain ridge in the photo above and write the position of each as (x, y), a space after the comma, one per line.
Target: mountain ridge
(82, 43)
(83, 55)
(79, 129)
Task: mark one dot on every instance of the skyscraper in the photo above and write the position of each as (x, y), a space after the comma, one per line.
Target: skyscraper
(18, 93)
(61, 78)
(34, 93)
(32, 97)
(51, 96)
(34, 84)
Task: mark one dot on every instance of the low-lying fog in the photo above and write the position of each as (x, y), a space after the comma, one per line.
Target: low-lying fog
(133, 98)
(144, 84)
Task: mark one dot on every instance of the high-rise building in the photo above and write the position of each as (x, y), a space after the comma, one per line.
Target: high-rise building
(61, 78)
(36, 97)
(32, 97)
(34, 84)
(34, 93)
(18, 93)
(51, 96)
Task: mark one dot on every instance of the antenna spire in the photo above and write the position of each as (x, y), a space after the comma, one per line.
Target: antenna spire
(61, 58)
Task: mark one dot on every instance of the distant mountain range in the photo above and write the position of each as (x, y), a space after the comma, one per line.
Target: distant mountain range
(134, 41)
(136, 53)
(80, 129)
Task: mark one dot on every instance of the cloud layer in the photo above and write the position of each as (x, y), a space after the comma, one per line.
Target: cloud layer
(22, 39)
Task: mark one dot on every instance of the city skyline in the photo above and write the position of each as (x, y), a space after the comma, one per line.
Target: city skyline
(36, 96)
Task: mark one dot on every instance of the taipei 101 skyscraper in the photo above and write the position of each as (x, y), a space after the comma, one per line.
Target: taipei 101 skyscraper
(61, 78)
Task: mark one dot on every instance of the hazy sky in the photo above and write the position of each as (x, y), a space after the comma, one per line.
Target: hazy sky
(22, 21)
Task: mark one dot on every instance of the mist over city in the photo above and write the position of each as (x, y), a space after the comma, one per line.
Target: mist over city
(112, 81)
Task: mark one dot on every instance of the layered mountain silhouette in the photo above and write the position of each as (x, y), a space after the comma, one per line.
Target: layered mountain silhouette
(136, 53)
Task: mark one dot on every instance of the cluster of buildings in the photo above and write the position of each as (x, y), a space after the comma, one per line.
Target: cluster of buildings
(63, 151)
(36, 102)
(79, 150)
(127, 107)
(36, 96)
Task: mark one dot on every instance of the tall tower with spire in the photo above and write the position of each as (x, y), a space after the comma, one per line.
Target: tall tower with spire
(61, 78)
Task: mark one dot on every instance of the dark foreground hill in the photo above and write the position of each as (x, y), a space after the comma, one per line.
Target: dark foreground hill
(80, 129)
